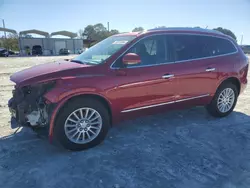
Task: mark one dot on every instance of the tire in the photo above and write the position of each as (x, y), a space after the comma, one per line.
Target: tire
(213, 107)
(61, 130)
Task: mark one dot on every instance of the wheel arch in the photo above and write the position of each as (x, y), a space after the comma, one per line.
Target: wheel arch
(66, 100)
(96, 97)
(233, 80)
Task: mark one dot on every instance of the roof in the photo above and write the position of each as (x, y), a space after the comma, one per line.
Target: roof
(8, 30)
(195, 29)
(64, 33)
(128, 34)
(169, 29)
(34, 31)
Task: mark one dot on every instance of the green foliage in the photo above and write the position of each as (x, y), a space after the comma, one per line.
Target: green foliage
(28, 36)
(138, 29)
(96, 32)
(11, 42)
(226, 32)
(81, 34)
(113, 32)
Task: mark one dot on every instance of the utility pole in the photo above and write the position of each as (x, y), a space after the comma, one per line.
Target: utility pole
(5, 38)
(241, 40)
(4, 28)
(108, 26)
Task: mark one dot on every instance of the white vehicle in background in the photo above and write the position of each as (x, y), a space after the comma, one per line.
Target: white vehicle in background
(79, 51)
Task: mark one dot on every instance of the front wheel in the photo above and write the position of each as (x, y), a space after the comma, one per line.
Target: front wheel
(82, 124)
(224, 100)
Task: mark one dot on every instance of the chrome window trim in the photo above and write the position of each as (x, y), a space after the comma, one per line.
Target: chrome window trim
(165, 103)
(221, 37)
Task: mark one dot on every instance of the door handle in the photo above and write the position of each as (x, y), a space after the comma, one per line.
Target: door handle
(167, 76)
(210, 69)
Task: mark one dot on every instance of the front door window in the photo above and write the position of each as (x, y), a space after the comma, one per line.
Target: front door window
(153, 50)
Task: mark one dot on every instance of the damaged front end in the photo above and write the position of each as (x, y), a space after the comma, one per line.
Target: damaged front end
(28, 106)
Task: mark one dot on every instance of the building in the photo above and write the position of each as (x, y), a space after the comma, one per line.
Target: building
(47, 42)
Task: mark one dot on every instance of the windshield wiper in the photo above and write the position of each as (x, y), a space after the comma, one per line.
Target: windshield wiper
(77, 61)
(85, 62)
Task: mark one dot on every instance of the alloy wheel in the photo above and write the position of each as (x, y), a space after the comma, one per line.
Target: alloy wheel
(83, 125)
(226, 100)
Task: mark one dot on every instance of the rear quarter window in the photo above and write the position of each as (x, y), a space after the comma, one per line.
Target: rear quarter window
(188, 47)
(218, 46)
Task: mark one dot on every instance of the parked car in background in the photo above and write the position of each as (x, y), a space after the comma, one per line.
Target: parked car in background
(246, 49)
(79, 51)
(16, 52)
(37, 50)
(11, 52)
(64, 51)
(4, 52)
(126, 76)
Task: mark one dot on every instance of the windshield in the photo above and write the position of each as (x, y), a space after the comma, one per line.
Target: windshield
(103, 50)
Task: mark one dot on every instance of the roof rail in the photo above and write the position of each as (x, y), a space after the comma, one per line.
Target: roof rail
(185, 29)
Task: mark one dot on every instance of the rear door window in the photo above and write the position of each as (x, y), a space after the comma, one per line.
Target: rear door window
(187, 47)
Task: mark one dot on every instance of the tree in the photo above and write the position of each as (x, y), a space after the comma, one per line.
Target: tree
(11, 42)
(226, 32)
(81, 34)
(28, 36)
(113, 32)
(96, 32)
(138, 29)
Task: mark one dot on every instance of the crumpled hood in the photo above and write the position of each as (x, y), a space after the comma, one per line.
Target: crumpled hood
(43, 70)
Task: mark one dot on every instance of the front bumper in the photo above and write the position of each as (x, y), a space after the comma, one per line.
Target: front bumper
(17, 112)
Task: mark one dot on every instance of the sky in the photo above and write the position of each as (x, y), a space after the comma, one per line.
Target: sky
(56, 15)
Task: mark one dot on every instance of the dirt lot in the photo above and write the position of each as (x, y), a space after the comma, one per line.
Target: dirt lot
(177, 149)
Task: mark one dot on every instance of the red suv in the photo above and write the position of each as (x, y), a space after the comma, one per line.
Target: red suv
(128, 75)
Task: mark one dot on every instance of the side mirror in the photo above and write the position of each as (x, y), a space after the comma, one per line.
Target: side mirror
(131, 59)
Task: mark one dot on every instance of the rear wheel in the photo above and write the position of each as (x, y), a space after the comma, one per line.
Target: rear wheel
(82, 124)
(224, 100)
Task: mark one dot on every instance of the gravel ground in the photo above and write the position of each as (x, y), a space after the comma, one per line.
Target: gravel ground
(179, 149)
